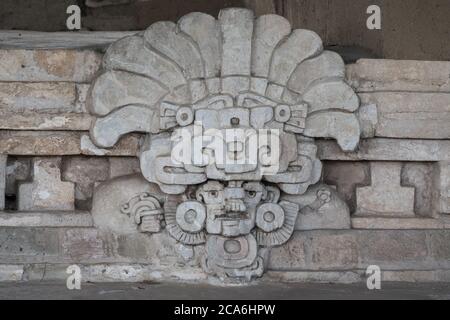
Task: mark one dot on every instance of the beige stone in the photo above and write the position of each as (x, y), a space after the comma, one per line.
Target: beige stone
(122, 166)
(388, 150)
(46, 191)
(12, 120)
(48, 65)
(38, 96)
(385, 196)
(46, 219)
(389, 223)
(419, 115)
(368, 75)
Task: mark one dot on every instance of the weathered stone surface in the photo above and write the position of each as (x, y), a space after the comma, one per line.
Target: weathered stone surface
(292, 255)
(388, 150)
(269, 31)
(38, 96)
(346, 176)
(368, 119)
(12, 120)
(237, 29)
(58, 143)
(410, 114)
(110, 196)
(141, 60)
(300, 45)
(121, 166)
(2, 181)
(315, 276)
(344, 127)
(396, 249)
(339, 251)
(440, 249)
(46, 191)
(328, 64)
(399, 75)
(321, 208)
(11, 272)
(22, 243)
(84, 172)
(443, 187)
(39, 143)
(32, 40)
(48, 65)
(204, 30)
(127, 146)
(166, 39)
(132, 118)
(331, 95)
(116, 89)
(421, 177)
(357, 249)
(389, 223)
(385, 196)
(83, 244)
(46, 219)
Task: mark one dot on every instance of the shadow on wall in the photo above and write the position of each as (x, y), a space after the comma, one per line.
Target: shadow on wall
(410, 29)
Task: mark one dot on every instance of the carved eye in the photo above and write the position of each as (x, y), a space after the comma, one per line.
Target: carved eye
(213, 193)
(251, 193)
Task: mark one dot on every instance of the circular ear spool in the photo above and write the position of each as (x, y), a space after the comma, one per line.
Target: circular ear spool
(191, 216)
(184, 116)
(269, 217)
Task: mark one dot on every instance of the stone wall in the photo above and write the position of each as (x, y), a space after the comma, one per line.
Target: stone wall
(396, 184)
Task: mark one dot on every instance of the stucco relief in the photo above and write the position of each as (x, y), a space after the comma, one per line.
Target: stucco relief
(264, 90)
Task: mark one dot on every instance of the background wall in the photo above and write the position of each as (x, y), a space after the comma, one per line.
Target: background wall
(411, 29)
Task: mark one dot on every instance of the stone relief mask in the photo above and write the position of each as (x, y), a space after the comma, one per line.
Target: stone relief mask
(243, 79)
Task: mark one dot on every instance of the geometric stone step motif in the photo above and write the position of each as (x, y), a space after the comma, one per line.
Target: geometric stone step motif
(46, 191)
(385, 197)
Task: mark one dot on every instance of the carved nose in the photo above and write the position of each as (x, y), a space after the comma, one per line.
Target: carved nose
(235, 205)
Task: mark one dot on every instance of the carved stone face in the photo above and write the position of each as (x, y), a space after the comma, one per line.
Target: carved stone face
(231, 209)
(177, 82)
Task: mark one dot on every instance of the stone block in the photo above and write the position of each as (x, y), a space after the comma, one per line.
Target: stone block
(334, 250)
(59, 143)
(292, 255)
(45, 121)
(440, 248)
(395, 249)
(384, 149)
(418, 115)
(38, 96)
(367, 75)
(83, 244)
(45, 219)
(84, 172)
(48, 65)
(46, 191)
(420, 176)
(385, 196)
(346, 176)
(3, 159)
(389, 223)
(11, 272)
(34, 243)
(443, 187)
(122, 166)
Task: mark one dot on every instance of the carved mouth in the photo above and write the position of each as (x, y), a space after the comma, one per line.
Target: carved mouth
(231, 215)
